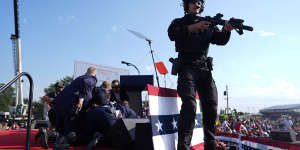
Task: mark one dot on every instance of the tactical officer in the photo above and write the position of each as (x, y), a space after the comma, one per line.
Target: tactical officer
(192, 36)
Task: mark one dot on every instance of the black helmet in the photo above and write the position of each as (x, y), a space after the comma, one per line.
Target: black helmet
(186, 4)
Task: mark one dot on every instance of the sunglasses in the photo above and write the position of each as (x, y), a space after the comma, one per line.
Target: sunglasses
(196, 1)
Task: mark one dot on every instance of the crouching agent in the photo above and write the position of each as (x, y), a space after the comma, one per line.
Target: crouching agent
(102, 98)
(71, 104)
(101, 117)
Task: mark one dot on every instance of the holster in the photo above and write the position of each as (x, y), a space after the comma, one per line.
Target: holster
(205, 64)
(175, 66)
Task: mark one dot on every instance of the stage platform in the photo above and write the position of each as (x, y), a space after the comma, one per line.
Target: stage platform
(16, 140)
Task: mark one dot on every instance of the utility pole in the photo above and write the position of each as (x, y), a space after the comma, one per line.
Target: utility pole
(226, 94)
(17, 57)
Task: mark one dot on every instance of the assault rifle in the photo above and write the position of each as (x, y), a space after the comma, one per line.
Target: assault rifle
(236, 23)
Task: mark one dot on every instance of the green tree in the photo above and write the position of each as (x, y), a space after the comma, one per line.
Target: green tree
(66, 80)
(37, 109)
(241, 113)
(6, 98)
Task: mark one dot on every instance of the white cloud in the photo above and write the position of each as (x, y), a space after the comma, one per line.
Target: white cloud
(255, 76)
(115, 28)
(149, 67)
(263, 92)
(67, 19)
(286, 88)
(276, 88)
(265, 34)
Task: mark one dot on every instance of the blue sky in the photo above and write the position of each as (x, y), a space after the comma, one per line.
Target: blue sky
(260, 67)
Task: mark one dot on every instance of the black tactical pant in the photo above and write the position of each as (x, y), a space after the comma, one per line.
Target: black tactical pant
(190, 80)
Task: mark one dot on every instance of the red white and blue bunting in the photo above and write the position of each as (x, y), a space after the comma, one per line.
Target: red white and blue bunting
(164, 107)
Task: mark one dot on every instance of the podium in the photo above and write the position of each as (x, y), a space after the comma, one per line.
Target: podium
(134, 85)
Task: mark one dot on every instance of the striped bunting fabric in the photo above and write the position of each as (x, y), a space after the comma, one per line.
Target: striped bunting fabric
(164, 105)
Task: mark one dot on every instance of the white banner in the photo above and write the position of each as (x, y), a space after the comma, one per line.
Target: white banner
(104, 73)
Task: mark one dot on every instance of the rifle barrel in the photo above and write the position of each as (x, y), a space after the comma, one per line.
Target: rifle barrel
(249, 28)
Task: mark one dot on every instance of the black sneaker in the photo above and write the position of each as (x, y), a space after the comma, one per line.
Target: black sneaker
(98, 137)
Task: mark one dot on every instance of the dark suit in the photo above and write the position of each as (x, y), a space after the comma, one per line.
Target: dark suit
(100, 99)
(97, 119)
(100, 96)
(67, 100)
(119, 95)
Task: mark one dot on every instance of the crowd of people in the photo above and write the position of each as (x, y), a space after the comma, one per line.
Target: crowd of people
(259, 126)
(10, 125)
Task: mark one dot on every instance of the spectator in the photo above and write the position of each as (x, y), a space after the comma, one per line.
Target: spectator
(49, 113)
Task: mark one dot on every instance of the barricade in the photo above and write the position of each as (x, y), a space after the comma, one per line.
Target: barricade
(246, 142)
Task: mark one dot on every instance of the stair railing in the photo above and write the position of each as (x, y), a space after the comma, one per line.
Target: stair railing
(29, 103)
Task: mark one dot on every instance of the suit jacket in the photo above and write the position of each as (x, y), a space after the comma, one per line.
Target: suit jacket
(81, 87)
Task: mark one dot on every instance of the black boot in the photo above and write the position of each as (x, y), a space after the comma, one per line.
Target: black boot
(43, 135)
(51, 136)
(61, 143)
(98, 137)
(71, 137)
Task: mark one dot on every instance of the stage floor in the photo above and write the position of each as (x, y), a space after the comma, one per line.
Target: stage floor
(16, 140)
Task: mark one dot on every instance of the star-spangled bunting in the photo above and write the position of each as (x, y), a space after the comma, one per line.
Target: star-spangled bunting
(174, 123)
(168, 124)
(159, 126)
(196, 122)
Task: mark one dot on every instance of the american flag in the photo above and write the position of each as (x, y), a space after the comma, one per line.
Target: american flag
(164, 105)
